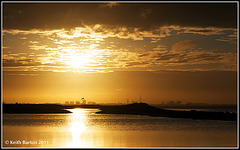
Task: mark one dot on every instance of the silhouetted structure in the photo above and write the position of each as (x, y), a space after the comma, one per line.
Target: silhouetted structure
(178, 103)
(83, 101)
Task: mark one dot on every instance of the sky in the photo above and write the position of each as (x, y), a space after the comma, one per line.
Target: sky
(111, 52)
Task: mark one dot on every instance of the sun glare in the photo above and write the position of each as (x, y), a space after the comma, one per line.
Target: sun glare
(77, 126)
(77, 61)
(83, 60)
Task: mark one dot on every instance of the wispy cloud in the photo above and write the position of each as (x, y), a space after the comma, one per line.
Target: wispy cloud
(99, 32)
(160, 47)
(19, 62)
(224, 60)
(56, 49)
(183, 45)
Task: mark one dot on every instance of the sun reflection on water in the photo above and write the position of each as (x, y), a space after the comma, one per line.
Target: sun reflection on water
(77, 127)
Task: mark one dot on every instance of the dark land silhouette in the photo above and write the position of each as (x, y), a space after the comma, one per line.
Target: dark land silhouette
(145, 109)
(134, 109)
(33, 108)
(41, 108)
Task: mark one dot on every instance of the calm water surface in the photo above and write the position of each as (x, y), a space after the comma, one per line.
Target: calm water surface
(84, 128)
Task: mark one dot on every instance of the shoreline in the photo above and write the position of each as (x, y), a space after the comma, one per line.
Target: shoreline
(33, 109)
(133, 109)
(145, 109)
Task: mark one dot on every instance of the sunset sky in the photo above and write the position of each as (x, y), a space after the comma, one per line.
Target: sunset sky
(108, 52)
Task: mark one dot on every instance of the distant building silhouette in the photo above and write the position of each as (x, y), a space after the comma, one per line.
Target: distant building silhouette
(77, 103)
(83, 101)
(178, 103)
(170, 103)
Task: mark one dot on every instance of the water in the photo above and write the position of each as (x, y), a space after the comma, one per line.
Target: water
(85, 129)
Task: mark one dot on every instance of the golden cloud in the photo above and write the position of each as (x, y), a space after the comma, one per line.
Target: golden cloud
(183, 45)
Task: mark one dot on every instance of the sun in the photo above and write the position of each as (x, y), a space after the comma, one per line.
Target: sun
(82, 60)
(77, 61)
